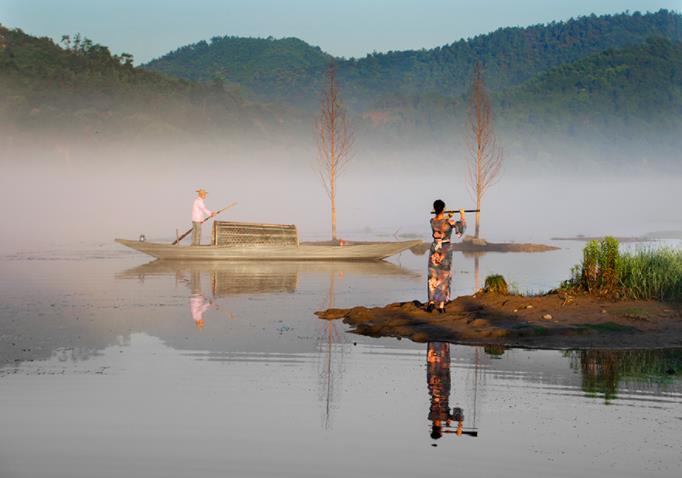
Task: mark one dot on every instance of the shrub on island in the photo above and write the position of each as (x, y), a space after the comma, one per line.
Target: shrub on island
(645, 274)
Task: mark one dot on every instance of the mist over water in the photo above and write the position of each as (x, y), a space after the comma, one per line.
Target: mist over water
(64, 196)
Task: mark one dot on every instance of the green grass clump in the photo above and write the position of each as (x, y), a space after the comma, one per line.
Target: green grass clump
(652, 274)
(496, 283)
(647, 274)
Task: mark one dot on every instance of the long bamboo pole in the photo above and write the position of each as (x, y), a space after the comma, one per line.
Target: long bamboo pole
(454, 211)
(177, 241)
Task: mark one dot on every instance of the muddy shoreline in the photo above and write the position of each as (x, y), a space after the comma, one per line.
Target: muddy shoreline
(551, 321)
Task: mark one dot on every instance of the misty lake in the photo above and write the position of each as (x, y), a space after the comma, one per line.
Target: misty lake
(114, 366)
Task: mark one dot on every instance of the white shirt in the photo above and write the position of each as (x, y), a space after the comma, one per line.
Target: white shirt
(199, 211)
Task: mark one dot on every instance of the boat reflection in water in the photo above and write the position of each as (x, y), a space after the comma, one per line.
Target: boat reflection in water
(439, 383)
(248, 278)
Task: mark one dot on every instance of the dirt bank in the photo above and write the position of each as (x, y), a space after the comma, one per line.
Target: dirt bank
(555, 320)
(488, 247)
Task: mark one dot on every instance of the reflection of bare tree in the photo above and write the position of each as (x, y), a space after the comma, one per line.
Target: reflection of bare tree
(331, 369)
(477, 267)
(477, 272)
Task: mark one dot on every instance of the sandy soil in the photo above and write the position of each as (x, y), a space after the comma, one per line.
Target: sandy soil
(554, 320)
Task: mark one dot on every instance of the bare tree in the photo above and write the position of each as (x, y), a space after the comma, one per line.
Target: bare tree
(335, 139)
(485, 159)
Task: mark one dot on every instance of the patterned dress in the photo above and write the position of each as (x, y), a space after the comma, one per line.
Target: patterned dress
(440, 258)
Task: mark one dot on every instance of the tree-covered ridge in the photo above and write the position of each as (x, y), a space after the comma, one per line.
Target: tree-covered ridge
(81, 86)
(79, 62)
(638, 87)
(289, 70)
(514, 54)
(238, 59)
(275, 68)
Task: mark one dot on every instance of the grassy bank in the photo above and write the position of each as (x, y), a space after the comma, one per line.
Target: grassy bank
(646, 274)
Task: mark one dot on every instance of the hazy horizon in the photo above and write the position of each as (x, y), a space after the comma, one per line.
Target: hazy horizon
(93, 196)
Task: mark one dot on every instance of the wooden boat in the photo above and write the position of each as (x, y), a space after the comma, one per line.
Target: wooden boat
(239, 241)
(303, 252)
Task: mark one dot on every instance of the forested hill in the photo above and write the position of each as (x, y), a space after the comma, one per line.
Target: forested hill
(289, 70)
(634, 88)
(242, 60)
(80, 87)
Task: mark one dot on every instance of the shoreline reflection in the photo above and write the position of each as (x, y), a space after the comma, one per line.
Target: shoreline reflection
(604, 373)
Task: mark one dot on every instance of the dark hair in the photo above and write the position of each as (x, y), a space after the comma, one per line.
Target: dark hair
(438, 206)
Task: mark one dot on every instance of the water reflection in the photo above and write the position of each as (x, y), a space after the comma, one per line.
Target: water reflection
(120, 348)
(198, 304)
(331, 353)
(226, 278)
(229, 278)
(476, 256)
(438, 380)
(603, 372)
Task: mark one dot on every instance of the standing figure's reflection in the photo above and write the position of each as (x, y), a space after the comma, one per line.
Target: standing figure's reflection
(439, 384)
(198, 304)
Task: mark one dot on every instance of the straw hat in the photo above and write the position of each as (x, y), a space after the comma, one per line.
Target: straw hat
(201, 190)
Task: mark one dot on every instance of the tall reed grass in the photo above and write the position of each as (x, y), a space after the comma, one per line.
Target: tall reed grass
(646, 274)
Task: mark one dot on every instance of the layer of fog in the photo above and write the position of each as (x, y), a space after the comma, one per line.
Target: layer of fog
(53, 198)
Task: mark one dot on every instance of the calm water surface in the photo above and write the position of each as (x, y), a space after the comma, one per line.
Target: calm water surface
(112, 366)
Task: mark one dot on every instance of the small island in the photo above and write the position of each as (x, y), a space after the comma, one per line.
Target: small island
(471, 244)
(612, 300)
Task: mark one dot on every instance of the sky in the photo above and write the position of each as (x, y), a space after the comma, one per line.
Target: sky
(348, 28)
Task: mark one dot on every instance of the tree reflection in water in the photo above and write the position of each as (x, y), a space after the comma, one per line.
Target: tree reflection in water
(331, 354)
(604, 371)
(476, 256)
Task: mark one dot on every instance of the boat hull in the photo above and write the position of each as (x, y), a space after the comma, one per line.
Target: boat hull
(304, 252)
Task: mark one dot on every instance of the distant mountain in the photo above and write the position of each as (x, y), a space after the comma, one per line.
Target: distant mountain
(291, 71)
(81, 87)
(260, 63)
(634, 88)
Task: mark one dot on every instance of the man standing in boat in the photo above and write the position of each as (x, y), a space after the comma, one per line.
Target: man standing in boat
(199, 214)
